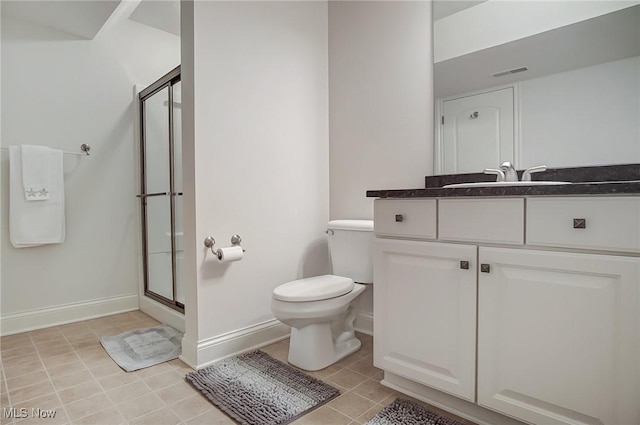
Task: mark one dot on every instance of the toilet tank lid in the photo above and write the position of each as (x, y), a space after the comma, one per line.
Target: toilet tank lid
(314, 288)
(357, 225)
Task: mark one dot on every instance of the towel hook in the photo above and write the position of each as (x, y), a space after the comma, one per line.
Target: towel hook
(85, 148)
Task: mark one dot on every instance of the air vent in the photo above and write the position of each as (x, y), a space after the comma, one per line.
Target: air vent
(511, 71)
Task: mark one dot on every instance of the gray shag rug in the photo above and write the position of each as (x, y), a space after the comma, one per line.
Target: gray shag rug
(256, 389)
(406, 412)
(145, 347)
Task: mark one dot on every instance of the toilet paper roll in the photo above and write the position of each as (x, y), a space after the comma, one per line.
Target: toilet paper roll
(232, 253)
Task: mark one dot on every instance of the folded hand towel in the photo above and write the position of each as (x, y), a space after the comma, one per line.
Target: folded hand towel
(36, 172)
(36, 223)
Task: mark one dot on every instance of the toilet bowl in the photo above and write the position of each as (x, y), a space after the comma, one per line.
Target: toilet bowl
(319, 309)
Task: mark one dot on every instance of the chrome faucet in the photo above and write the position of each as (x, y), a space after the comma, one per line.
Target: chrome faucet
(526, 176)
(510, 173)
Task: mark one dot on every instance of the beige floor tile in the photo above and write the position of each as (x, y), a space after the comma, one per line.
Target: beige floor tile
(12, 372)
(27, 379)
(365, 366)
(162, 380)
(55, 351)
(128, 392)
(59, 360)
(180, 366)
(176, 392)
(163, 416)
(369, 414)
(87, 406)
(324, 415)
(17, 340)
(135, 408)
(106, 369)
(72, 380)
(118, 380)
(211, 417)
(109, 416)
(191, 407)
(351, 404)
(346, 378)
(152, 371)
(78, 392)
(18, 352)
(374, 391)
(49, 401)
(70, 368)
(20, 360)
(31, 391)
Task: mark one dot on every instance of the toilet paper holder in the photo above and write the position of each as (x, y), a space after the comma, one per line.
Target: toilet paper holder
(209, 242)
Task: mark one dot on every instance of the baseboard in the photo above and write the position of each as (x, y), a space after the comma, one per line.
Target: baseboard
(52, 316)
(364, 323)
(203, 353)
(449, 403)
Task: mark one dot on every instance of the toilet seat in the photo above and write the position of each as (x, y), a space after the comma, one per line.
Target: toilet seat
(314, 288)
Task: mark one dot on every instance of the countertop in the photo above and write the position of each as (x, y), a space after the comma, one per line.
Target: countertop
(600, 180)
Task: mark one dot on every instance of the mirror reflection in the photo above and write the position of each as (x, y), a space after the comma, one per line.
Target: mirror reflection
(554, 83)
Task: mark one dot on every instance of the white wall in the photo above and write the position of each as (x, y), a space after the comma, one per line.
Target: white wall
(589, 116)
(255, 135)
(61, 91)
(380, 102)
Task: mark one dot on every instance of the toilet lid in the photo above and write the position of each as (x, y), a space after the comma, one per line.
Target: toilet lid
(313, 288)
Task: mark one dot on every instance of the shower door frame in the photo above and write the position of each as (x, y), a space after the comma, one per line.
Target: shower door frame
(166, 81)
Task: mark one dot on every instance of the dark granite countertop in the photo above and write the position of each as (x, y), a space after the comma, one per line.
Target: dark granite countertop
(603, 180)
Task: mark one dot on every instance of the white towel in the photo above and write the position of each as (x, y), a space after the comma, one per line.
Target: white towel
(36, 172)
(36, 223)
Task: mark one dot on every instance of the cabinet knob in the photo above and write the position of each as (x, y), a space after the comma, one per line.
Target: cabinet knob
(464, 265)
(485, 268)
(579, 223)
(399, 218)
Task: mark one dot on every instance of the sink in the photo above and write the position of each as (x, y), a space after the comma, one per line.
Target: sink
(502, 184)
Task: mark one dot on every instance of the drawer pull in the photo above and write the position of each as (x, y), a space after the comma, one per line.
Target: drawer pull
(485, 268)
(579, 223)
(399, 218)
(464, 265)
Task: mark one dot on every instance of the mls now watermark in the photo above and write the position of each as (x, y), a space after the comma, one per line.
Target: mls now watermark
(14, 412)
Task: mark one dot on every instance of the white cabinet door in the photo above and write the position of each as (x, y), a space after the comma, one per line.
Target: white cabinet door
(425, 313)
(478, 132)
(558, 336)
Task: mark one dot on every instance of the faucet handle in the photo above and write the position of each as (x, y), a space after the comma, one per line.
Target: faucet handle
(526, 176)
(499, 173)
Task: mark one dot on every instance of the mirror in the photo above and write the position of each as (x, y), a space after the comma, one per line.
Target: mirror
(573, 66)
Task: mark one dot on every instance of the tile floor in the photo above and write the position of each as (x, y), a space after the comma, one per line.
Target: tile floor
(65, 370)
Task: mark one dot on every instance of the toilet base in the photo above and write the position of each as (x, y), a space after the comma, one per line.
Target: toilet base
(313, 347)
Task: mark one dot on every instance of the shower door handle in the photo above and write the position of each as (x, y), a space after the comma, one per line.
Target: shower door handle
(148, 195)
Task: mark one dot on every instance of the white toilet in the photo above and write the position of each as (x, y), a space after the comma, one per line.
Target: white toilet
(318, 308)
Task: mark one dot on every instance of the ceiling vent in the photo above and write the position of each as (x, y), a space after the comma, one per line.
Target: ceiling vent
(511, 71)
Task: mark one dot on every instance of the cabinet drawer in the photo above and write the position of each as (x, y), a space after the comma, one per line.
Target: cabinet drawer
(482, 220)
(611, 223)
(405, 217)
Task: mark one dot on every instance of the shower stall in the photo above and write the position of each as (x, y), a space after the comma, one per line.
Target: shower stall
(161, 191)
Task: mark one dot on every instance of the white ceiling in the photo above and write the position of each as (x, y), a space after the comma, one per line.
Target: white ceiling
(444, 8)
(85, 18)
(82, 19)
(163, 15)
(603, 39)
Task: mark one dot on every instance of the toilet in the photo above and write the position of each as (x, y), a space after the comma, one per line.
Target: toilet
(318, 309)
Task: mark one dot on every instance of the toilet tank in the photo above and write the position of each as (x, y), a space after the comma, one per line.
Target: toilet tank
(351, 249)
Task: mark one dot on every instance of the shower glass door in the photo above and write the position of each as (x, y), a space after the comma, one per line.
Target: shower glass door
(161, 190)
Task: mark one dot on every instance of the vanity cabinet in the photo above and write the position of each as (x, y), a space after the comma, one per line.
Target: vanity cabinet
(558, 311)
(425, 313)
(558, 336)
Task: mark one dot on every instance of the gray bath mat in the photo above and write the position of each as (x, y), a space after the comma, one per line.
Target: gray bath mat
(256, 389)
(142, 348)
(406, 412)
